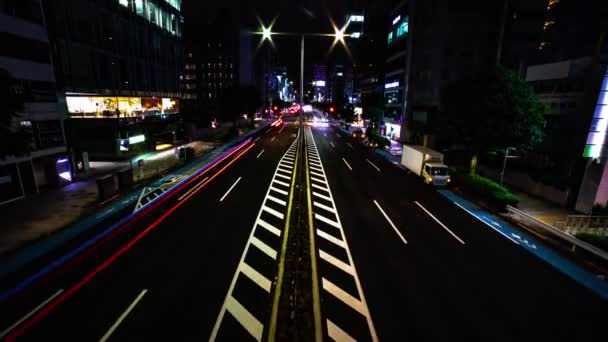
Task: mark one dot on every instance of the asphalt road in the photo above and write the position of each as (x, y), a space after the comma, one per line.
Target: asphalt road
(396, 261)
(165, 276)
(433, 273)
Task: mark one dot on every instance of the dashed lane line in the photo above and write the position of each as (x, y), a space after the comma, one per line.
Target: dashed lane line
(440, 223)
(192, 189)
(390, 222)
(347, 164)
(372, 164)
(230, 189)
(29, 314)
(259, 154)
(122, 317)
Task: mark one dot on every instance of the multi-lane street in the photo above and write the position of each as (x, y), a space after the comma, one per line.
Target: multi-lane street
(394, 260)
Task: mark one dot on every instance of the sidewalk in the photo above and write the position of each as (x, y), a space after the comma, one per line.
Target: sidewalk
(49, 211)
(542, 210)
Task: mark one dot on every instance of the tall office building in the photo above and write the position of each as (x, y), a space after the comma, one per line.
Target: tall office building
(26, 56)
(119, 64)
(340, 85)
(319, 82)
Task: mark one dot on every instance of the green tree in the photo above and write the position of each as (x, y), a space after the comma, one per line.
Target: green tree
(373, 109)
(15, 140)
(498, 110)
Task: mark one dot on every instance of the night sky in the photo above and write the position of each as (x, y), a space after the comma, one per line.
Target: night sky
(291, 16)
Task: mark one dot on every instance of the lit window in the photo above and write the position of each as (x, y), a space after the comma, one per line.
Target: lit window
(548, 24)
(390, 37)
(403, 27)
(552, 4)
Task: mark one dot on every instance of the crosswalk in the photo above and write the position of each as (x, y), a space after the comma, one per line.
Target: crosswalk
(344, 310)
(247, 305)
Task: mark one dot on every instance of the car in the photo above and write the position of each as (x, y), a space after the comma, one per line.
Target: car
(358, 134)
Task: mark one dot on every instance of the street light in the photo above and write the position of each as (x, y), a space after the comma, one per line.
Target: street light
(266, 33)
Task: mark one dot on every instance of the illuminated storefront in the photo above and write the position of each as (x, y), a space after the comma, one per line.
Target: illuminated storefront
(106, 106)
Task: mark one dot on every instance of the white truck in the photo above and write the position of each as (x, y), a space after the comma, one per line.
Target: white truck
(426, 163)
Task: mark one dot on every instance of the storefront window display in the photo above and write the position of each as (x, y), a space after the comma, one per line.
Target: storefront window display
(104, 106)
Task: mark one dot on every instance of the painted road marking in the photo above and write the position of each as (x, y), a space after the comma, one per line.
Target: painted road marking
(315, 168)
(270, 129)
(329, 288)
(337, 334)
(347, 164)
(124, 315)
(337, 135)
(440, 223)
(283, 176)
(281, 130)
(487, 224)
(349, 145)
(335, 261)
(256, 277)
(232, 187)
(324, 134)
(318, 187)
(332, 144)
(29, 314)
(247, 320)
(289, 162)
(282, 192)
(323, 206)
(316, 173)
(256, 139)
(264, 247)
(314, 193)
(271, 140)
(372, 164)
(326, 220)
(250, 268)
(273, 212)
(331, 238)
(390, 222)
(344, 296)
(192, 189)
(258, 156)
(276, 200)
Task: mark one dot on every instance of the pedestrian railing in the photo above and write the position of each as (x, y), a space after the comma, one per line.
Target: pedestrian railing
(561, 235)
(595, 225)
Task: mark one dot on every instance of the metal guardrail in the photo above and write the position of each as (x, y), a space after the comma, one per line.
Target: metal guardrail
(596, 225)
(558, 233)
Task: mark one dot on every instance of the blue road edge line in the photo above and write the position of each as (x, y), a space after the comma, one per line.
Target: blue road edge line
(533, 246)
(26, 256)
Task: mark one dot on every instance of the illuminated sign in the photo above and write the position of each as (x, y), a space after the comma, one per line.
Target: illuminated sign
(390, 37)
(396, 20)
(340, 74)
(357, 18)
(391, 85)
(355, 35)
(136, 139)
(403, 28)
(319, 83)
(599, 124)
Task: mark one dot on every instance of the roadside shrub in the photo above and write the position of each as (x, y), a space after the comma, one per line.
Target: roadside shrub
(487, 189)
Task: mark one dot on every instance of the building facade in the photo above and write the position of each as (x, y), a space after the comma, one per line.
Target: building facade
(117, 60)
(340, 87)
(26, 56)
(319, 82)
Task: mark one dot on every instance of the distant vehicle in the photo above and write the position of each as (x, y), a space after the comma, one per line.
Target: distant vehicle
(426, 163)
(358, 134)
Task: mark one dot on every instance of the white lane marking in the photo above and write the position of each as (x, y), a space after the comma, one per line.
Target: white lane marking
(271, 140)
(440, 223)
(276, 200)
(283, 176)
(273, 212)
(282, 192)
(344, 296)
(330, 238)
(232, 187)
(29, 314)
(286, 169)
(332, 144)
(288, 158)
(338, 135)
(270, 129)
(192, 189)
(288, 162)
(245, 318)
(256, 277)
(337, 334)
(318, 187)
(486, 223)
(390, 222)
(324, 134)
(259, 154)
(124, 315)
(347, 164)
(372, 164)
(349, 145)
(326, 220)
(281, 182)
(269, 227)
(363, 303)
(316, 173)
(324, 207)
(315, 168)
(314, 193)
(256, 139)
(264, 247)
(335, 261)
(230, 304)
(318, 180)
(281, 130)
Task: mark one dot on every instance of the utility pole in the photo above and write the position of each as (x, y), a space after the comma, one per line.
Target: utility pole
(504, 165)
(301, 79)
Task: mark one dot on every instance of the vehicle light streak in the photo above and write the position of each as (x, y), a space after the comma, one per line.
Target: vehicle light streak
(65, 295)
(90, 245)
